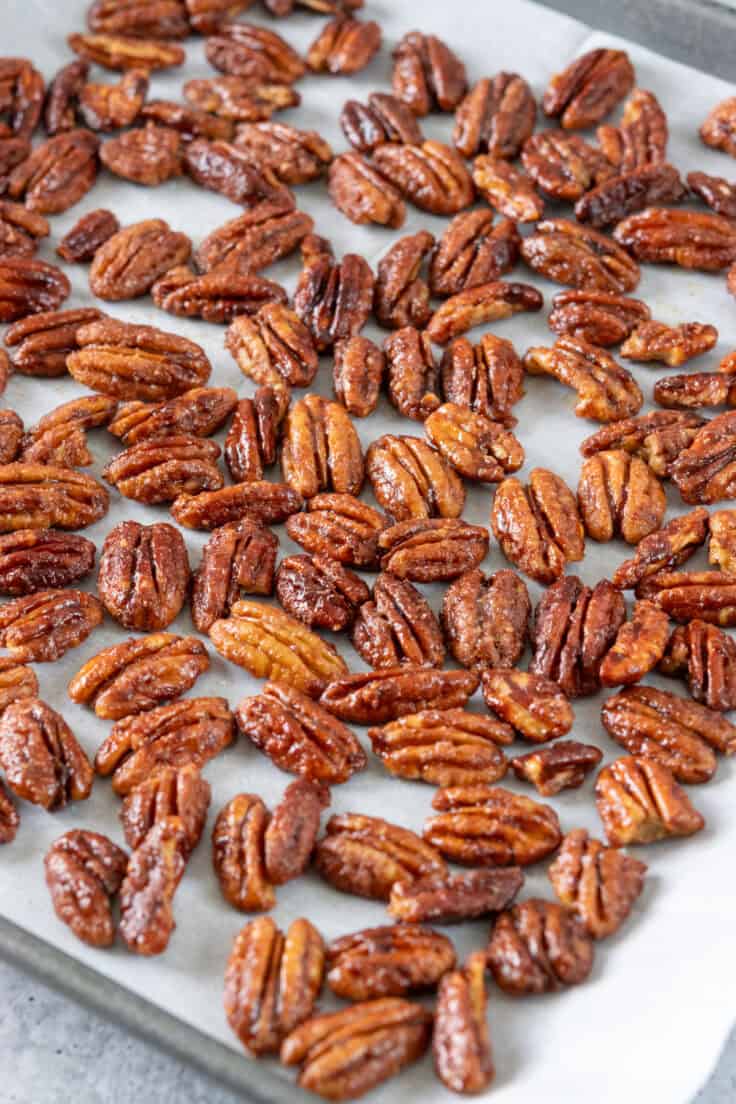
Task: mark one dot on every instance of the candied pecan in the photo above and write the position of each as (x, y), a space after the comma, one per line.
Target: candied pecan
(432, 176)
(295, 156)
(218, 296)
(639, 801)
(43, 496)
(28, 286)
(719, 129)
(397, 627)
(563, 766)
(20, 229)
(189, 121)
(539, 947)
(41, 757)
(620, 196)
(722, 539)
(389, 961)
(427, 75)
(252, 241)
(59, 437)
(239, 557)
(334, 299)
(205, 16)
(695, 390)
(599, 883)
(664, 549)
(574, 627)
(641, 139)
(706, 657)
(148, 155)
(11, 431)
(672, 345)
(320, 449)
(591, 86)
(487, 378)
(497, 115)
(658, 438)
(340, 526)
(478, 305)
(188, 732)
(358, 368)
(170, 791)
(143, 579)
(638, 648)
(704, 471)
(476, 447)
(381, 696)
(251, 442)
(247, 50)
(607, 392)
(84, 871)
(240, 99)
(597, 317)
(401, 296)
(451, 898)
(16, 682)
(42, 627)
(533, 705)
(563, 165)
(430, 550)
(261, 501)
(45, 340)
(715, 191)
(155, 471)
(363, 194)
(234, 173)
(87, 236)
(21, 98)
(129, 263)
(9, 817)
(110, 106)
(385, 118)
(35, 559)
(461, 1044)
(538, 526)
(445, 747)
(571, 254)
(293, 829)
(12, 152)
(139, 674)
(485, 619)
(274, 347)
(160, 19)
(197, 413)
(57, 174)
(412, 373)
(319, 591)
(683, 595)
(472, 251)
(690, 239)
(237, 854)
(344, 46)
(117, 51)
(619, 495)
(410, 479)
(507, 190)
(154, 871)
(272, 982)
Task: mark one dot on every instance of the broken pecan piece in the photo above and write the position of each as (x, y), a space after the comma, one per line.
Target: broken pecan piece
(507, 190)
(87, 236)
(29, 286)
(274, 347)
(340, 526)
(401, 297)
(43, 496)
(358, 369)
(293, 829)
(539, 947)
(385, 118)
(410, 479)
(486, 618)
(607, 392)
(476, 447)
(472, 251)
(591, 86)
(261, 501)
(169, 791)
(129, 263)
(722, 539)
(41, 757)
(478, 305)
(561, 766)
(463, 1058)
(641, 138)
(563, 165)
(619, 495)
(451, 898)
(427, 75)
(620, 196)
(110, 106)
(381, 696)
(147, 892)
(496, 116)
(571, 254)
(42, 627)
(21, 229)
(412, 373)
(238, 558)
(363, 194)
(638, 648)
(143, 579)
(397, 627)
(719, 129)
(432, 176)
(445, 747)
(534, 706)
(320, 449)
(344, 46)
(690, 239)
(599, 883)
(37, 559)
(429, 550)
(45, 340)
(538, 526)
(57, 174)
(672, 345)
(600, 318)
(487, 378)
(639, 801)
(319, 591)
(389, 961)
(84, 871)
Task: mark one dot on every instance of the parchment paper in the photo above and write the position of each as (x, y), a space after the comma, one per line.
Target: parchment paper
(650, 1021)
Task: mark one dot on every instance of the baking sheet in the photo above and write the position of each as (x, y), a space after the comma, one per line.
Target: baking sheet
(651, 1019)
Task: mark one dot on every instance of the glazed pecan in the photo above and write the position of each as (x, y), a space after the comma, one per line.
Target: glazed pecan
(410, 479)
(36, 559)
(238, 558)
(706, 657)
(690, 239)
(472, 251)
(148, 155)
(432, 176)
(382, 696)
(187, 733)
(638, 648)
(358, 368)
(110, 106)
(42, 496)
(139, 674)
(487, 378)
(481, 825)
(401, 296)
(722, 539)
(591, 86)
(507, 190)
(234, 173)
(21, 98)
(538, 526)
(344, 46)
(563, 165)
(84, 870)
(16, 682)
(534, 706)
(87, 236)
(28, 286)
(684, 595)
(339, 526)
(445, 747)
(664, 549)
(41, 757)
(619, 495)
(254, 434)
(715, 191)
(117, 51)
(161, 19)
(57, 174)
(496, 116)
(412, 373)
(218, 296)
(639, 801)
(272, 982)
(206, 16)
(574, 628)
(255, 239)
(237, 854)
(428, 550)
(539, 947)
(319, 591)
(363, 194)
(334, 299)
(247, 50)
(562, 766)
(397, 627)
(385, 118)
(704, 471)
(11, 430)
(607, 392)
(620, 196)
(427, 75)
(189, 121)
(143, 579)
(600, 884)
(240, 99)
(571, 254)
(695, 390)
(42, 627)
(293, 829)
(261, 501)
(21, 229)
(320, 449)
(129, 263)
(451, 898)
(658, 438)
(170, 791)
(12, 152)
(719, 129)
(599, 318)
(155, 471)
(478, 305)
(9, 817)
(461, 1043)
(196, 413)
(672, 345)
(389, 961)
(641, 139)
(147, 892)
(59, 437)
(274, 347)
(476, 447)
(485, 618)
(295, 156)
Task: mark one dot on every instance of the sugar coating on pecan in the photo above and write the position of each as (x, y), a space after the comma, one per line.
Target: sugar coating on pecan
(639, 801)
(427, 550)
(452, 898)
(561, 766)
(319, 591)
(410, 479)
(486, 618)
(473, 250)
(591, 86)
(143, 578)
(391, 692)
(84, 871)
(41, 757)
(619, 495)
(601, 884)
(539, 947)
(461, 1043)
(538, 526)
(427, 74)
(534, 706)
(607, 392)
(389, 961)
(497, 115)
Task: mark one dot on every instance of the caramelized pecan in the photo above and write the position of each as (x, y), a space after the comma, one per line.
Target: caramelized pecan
(563, 165)
(487, 378)
(60, 438)
(340, 526)
(672, 345)
(42, 496)
(538, 526)
(599, 883)
(690, 239)
(206, 16)
(11, 432)
(128, 264)
(591, 86)
(234, 173)
(255, 239)
(36, 559)
(384, 118)
(110, 106)
(619, 495)
(147, 892)
(428, 550)
(84, 870)
(358, 368)
(334, 299)
(507, 190)
(722, 539)
(534, 706)
(478, 305)
(715, 191)
(199, 412)
(401, 297)
(683, 595)
(9, 817)
(497, 115)
(658, 438)
(189, 121)
(381, 696)
(397, 627)
(239, 99)
(295, 156)
(21, 98)
(472, 251)
(410, 479)
(87, 236)
(160, 19)
(706, 657)
(476, 447)
(261, 501)
(427, 75)
(363, 194)
(607, 392)
(252, 51)
(57, 174)
(719, 129)
(160, 470)
(571, 254)
(641, 139)
(21, 229)
(412, 373)
(238, 558)
(254, 434)
(704, 471)
(432, 176)
(485, 618)
(344, 46)
(445, 747)
(319, 591)
(320, 449)
(639, 801)
(169, 791)
(539, 947)
(451, 898)
(463, 1058)
(562, 766)
(273, 348)
(28, 286)
(16, 682)
(237, 854)
(597, 317)
(41, 757)
(293, 829)
(42, 627)
(638, 648)
(389, 961)
(148, 155)
(664, 549)
(620, 196)
(144, 575)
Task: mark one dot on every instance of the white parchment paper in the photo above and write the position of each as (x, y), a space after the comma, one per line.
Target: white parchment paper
(649, 1023)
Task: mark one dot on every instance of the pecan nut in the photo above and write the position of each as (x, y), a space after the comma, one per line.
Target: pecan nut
(189, 121)
(562, 766)
(319, 591)
(60, 439)
(719, 128)
(695, 390)
(170, 791)
(129, 263)
(159, 471)
(293, 829)
(411, 373)
(563, 165)
(478, 305)
(37, 559)
(487, 378)
(206, 16)
(255, 239)
(641, 138)
(600, 884)
(42, 496)
(22, 99)
(295, 156)
(382, 696)
(42, 627)
(11, 429)
(638, 647)
(639, 801)
(147, 892)
(658, 438)
(20, 229)
(199, 412)
(28, 286)
(389, 961)
(473, 251)
(43, 341)
(340, 526)
(239, 99)
(261, 501)
(461, 1043)
(706, 657)
(254, 434)
(704, 471)
(451, 898)
(621, 196)
(571, 254)
(9, 817)
(476, 447)
(410, 479)
(507, 190)
(599, 318)
(57, 174)
(429, 550)
(110, 106)
(722, 539)
(397, 627)
(496, 116)
(534, 706)
(684, 595)
(162, 19)
(245, 49)
(445, 747)
(358, 369)
(432, 176)
(143, 579)
(238, 558)
(363, 194)
(665, 549)
(41, 757)
(84, 871)
(237, 854)
(334, 299)
(619, 495)
(672, 345)
(591, 86)
(384, 118)
(427, 75)
(234, 173)
(274, 348)
(607, 392)
(16, 682)
(344, 46)
(690, 239)
(538, 526)
(486, 618)
(87, 236)
(539, 947)
(148, 155)
(401, 296)
(320, 449)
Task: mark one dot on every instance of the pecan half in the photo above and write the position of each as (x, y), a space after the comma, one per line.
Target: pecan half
(239, 99)
(253, 240)
(84, 871)
(461, 1043)
(683, 595)
(427, 75)
(487, 378)
(704, 472)
(199, 412)
(28, 286)
(600, 884)
(87, 236)
(363, 194)
(238, 558)
(334, 299)
(664, 549)
(478, 305)
(538, 526)
(534, 706)
(639, 801)
(206, 16)
(428, 550)
(274, 347)
(385, 118)
(641, 139)
(189, 121)
(12, 152)
(690, 239)
(42, 627)
(591, 86)
(389, 961)
(658, 438)
(695, 390)
(672, 345)
(507, 190)
(218, 296)
(410, 479)
(254, 434)
(445, 747)
(42, 496)
(21, 98)
(539, 947)
(344, 46)
(16, 682)
(562, 766)
(160, 470)
(451, 898)
(571, 254)
(620, 196)
(170, 791)
(161, 19)
(497, 116)
(59, 437)
(485, 618)
(382, 696)
(234, 173)
(340, 526)
(295, 156)
(147, 892)
(110, 106)
(148, 155)
(432, 176)
(607, 392)
(293, 829)
(412, 373)
(563, 165)
(20, 229)
(358, 369)
(722, 539)
(41, 757)
(261, 501)
(320, 449)
(9, 817)
(476, 447)
(11, 431)
(715, 191)
(638, 648)
(600, 318)
(36, 559)
(143, 579)
(401, 296)
(129, 263)
(245, 49)
(237, 854)
(719, 128)
(397, 627)
(57, 174)
(472, 251)
(619, 495)
(706, 657)
(126, 51)
(319, 591)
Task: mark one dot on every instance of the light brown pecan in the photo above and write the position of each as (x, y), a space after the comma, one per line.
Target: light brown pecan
(42, 627)
(384, 118)
(538, 526)
(481, 825)
(57, 174)
(363, 194)
(507, 190)
(429, 550)
(143, 579)
(129, 263)
(607, 392)
(21, 98)
(641, 138)
(11, 433)
(472, 251)
(272, 982)
(206, 16)
(401, 295)
(599, 318)
(461, 1043)
(476, 447)
(344, 46)
(295, 156)
(620, 196)
(274, 347)
(250, 242)
(43, 341)
(20, 229)
(239, 99)
(189, 121)
(539, 947)
(690, 239)
(118, 51)
(237, 854)
(41, 757)
(170, 791)
(155, 471)
(160, 19)
(60, 438)
(293, 829)
(658, 438)
(16, 682)
(247, 50)
(432, 176)
(412, 373)
(638, 648)
(320, 449)
(704, 471)
(722, 539)
(254, 434)
(147, 892)
(358, 369)
(719, 129)
(534, 706)
(397, 627)
(591, 86)
(334, 299)
(9, 817)
(389, 961)
(600, 884)
(382, 696)
(238, 558)
(186, 733)
(261, 501)
(84, 871)
(139, 674)
(485, 618)
(28, 286)
(148, 155)
(487, 378)
(445, 747)
(340, 526)
(561, 766)
(427, 75)
(639, 801)
(36, 559)
(706, 657)
(563, 165)
(665, 549)
(234, 173)
(42, 496)
(410, 479)
(199, 412)
(496, 116)
(619, 495)
(110, 106)
(87, 236)
(715, 191)
(684, 595)
(574, 628)
(571, 254)
(451, 898)
(478, 305)
(319, 591)
(672, 345)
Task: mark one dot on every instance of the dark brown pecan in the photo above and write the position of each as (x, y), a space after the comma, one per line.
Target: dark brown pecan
(451, 898)
(237, 854)
(715, 191)
(84, 870)
(43, 496)
(432, 176)
(247, 50)
(363, 194)
(538, 526)
(42, 627)
(658, 438)
(160, 19)
(472, 252)
(189, 121)
(293, 829)
(21, 98)
(272, 982)
(704, 471)
(600, 884)
(539, 947)
(384, 118)
(574, 628)
(148, 155)
(261, 501)
(199, 412)
(159, 471)
(599, 318)
(129, 263)
(254, 434)
(487, 378)
(57, 174)
(274, 348)
(170, 791)
(684, 595)
(234, 173)
(358, 368)
(401, 296)
(41, 757)
(110, 106)
(664, 549)
(690, 239)
(476, 447)
(120, 52)
(218, 296)
(672, 345)
(87, 236)
(620, 196)
(146, 895)
(427, 75)
(340, 526)
(722, 539)
(571, 254)
(397, 627)
(334, 299)
(562, 766)
(639, 801)
(461, 1043)
(638, 648)
(11, 429)
(144, 575)
(28, 286)
(9, 817)
(533, 705)
(705, 656)
(389, 961)
(206, 16)
(239, 99)
(428, 550)
(45, 340)
(485, 618)
(35, 559)
(412, 373)
(12, 152)
(478, 305)
(186, 733)
(60, 438)
(252, 241)
(410, 479)
(619, 495)
(563, 165)
(507, 190)
(641, 139)
(295, 156)
(496, 116)
(445, 747)
(299, 736)
(238, 558)
(381, 696)
(20, 229)
(719, 129)
(591, 86)
(319, 591)
(320, 449)
(344, 46)
(139, 674)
